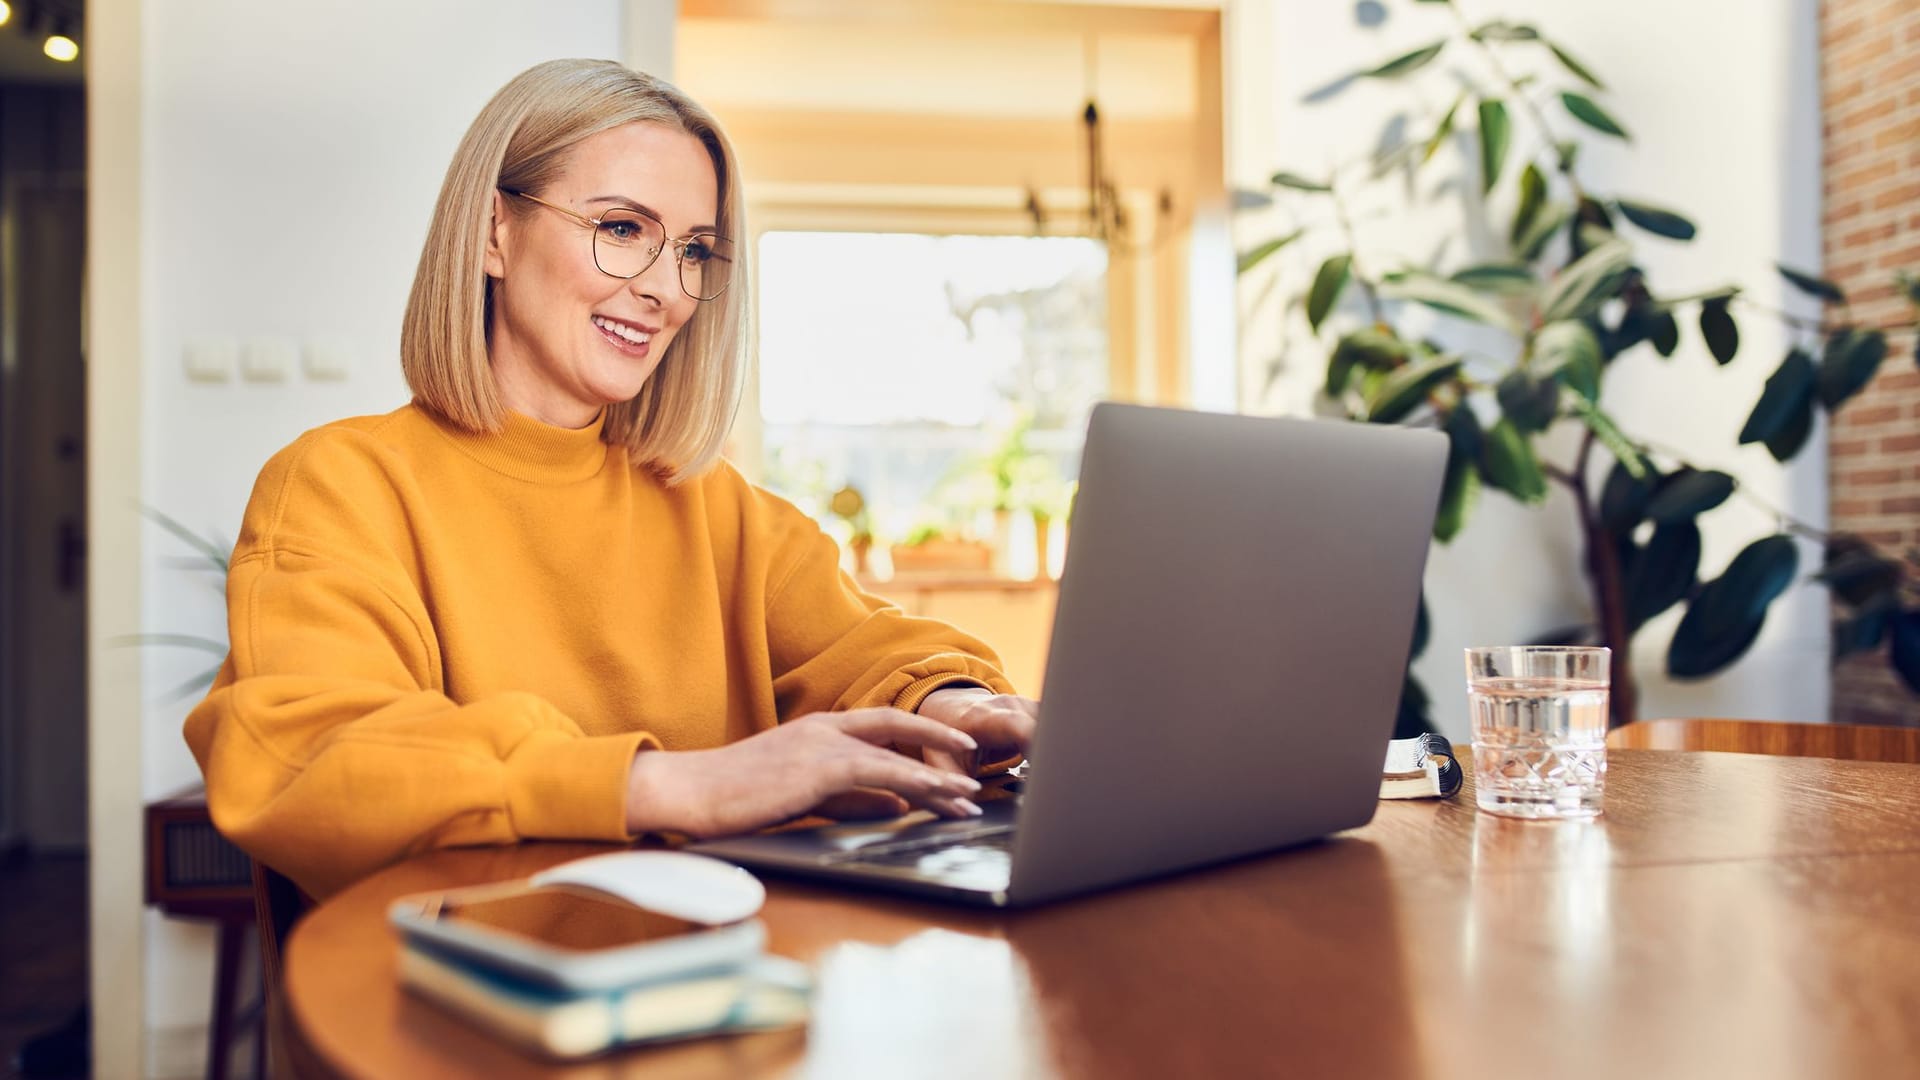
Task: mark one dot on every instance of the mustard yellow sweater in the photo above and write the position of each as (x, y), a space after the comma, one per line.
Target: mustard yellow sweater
(440, 639)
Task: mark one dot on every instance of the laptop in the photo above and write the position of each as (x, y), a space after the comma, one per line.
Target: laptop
(1228, 651)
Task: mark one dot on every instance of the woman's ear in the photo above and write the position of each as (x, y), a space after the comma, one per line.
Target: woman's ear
(494, 262)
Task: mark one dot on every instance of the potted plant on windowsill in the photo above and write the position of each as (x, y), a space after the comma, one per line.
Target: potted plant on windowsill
(932, 549)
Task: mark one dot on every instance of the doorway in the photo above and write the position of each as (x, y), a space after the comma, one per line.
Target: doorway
(43, 689)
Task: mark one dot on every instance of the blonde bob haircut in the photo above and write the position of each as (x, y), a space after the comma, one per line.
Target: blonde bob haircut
(676, 424)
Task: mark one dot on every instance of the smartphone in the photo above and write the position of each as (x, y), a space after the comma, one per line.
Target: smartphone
(569, 936)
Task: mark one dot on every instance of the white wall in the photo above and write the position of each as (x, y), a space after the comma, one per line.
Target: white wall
(290, 170)
(1721, 97)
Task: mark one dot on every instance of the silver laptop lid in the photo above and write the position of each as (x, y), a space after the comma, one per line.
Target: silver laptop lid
(1229, 648)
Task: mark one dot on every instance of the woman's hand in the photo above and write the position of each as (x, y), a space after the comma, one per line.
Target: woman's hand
(1002, 725)
(835, 764)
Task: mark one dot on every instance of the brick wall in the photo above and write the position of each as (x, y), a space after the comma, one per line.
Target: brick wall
(1870, 87)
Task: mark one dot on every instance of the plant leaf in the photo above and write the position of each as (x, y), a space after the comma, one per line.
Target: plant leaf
(216, 557)
(1327, 284)
(1726, 616)
(1812, 284)
(1603, 427)
(1569, 350)
(1530, 404)
(1462, 485)
(1445, 129)
(1550, 220)
(1592, 115)
(1253, 257)
(1858, 574)
(1789, 390)
(1406, 389)
(1507, 459)
(1298, 182)
(1406, 63)
(1580, 71)
(1861, 633)
(1664, 331)
(1850, 361)
(1584, 285)
(1450, 297)
(1508, 279)
(1664, 573)
(1368, 348)
(1656, 220)
(1533, 194)
(1906, 649)
(1623, 499)
(1494, 134)
(1685, 494)
(1502, 30)
(1786, 442)
(1718, 327)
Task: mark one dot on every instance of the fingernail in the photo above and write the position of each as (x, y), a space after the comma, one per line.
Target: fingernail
(966, 740)
(967, 784)
(969, 807)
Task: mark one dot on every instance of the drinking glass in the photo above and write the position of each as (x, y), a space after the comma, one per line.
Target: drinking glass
(1539, 729)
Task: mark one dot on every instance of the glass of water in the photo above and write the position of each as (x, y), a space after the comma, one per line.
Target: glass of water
(1539, 729)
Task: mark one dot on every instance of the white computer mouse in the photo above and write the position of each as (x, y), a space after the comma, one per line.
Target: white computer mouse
(691, 887)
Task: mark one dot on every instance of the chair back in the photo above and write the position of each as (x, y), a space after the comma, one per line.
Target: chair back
(277, 904)
(1847, 742)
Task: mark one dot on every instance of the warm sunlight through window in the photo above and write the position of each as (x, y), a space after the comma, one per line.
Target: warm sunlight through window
(945, 377)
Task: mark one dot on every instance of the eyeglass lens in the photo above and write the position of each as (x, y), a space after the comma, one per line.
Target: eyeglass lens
(626, 243)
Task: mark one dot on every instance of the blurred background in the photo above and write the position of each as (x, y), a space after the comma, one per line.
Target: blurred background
(973, 220)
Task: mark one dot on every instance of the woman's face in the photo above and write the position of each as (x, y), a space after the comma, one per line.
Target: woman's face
(566, 339)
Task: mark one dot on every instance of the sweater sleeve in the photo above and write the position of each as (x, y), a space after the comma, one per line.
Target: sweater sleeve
(328, 743)
(835, 646)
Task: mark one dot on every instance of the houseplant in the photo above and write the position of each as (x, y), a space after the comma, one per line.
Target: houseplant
(1564, 300)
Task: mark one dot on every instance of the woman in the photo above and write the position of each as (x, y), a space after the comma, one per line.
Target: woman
(534, 603)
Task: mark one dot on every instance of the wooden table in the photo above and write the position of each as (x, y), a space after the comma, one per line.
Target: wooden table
(1729, 916)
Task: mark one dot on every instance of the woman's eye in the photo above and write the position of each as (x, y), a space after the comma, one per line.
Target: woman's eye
(623, 231)
(697, 252)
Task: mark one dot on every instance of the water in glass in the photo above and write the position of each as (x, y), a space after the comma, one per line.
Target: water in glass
(1539, 746)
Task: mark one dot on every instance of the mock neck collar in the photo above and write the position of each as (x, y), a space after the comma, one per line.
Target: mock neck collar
(527, 449)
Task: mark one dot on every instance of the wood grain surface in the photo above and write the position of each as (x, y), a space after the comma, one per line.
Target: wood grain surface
(1728, 915)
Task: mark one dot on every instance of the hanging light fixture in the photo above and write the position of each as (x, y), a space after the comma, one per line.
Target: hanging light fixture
(60, 44)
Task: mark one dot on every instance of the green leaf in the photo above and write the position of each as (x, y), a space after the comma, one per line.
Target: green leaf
(1861, 633)
(1445, 129)
(1813, 285)
(1533, 194)
(215, 556)
(1254, 256)
(1851, 359)
(1858, 574)
(1421, 629)
(1786, 442)
(1688, 493)
(1592, 115)
(1664, 573)
(1406, 63)
(1502, 30)
(1365, 348)
(1656, 220)
(1718, 327)
(1327, 284)
(1906, 649)
(1789, 389)
(1508, 279)
(1603, 427)
(1580, 71)
(1462, 485)
(1726, 616)
(1412, 719)
(1450, 297)
(1530, 404)
(1494, 134)
(1569, 350)
(1584, 285)
(1623, 499)
(1509, 463)
(1664, 332)
(1406, 389)
(1298, 182)
(1910, 285)
(1541, 229)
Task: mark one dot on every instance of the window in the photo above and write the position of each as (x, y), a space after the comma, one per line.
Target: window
(943, 376)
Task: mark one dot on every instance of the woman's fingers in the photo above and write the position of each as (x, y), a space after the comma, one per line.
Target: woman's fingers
(882, 726)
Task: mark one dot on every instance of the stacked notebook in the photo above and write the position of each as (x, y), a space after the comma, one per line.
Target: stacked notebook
(614, 950)
(1421, 767)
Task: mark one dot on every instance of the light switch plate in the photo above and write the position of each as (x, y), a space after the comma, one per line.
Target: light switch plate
(268, 359)
(327, 360)
(212, 360)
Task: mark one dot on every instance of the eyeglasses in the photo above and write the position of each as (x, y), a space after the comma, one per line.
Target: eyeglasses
(627, 241)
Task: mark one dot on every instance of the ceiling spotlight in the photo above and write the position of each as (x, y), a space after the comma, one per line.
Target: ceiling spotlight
(60, 44)
(6, 12)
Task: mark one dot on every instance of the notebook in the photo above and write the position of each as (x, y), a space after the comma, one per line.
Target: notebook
(1227, 655)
